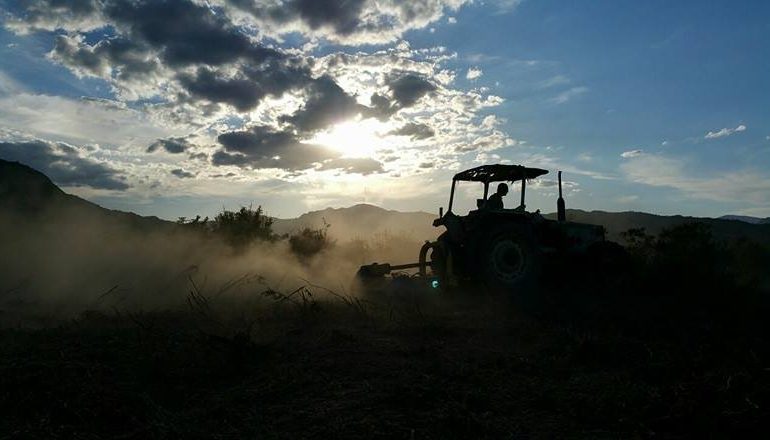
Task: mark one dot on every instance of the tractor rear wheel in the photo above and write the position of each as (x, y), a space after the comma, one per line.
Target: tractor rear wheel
(510, 261)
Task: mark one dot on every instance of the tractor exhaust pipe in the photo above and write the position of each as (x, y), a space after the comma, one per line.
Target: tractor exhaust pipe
(561, 211)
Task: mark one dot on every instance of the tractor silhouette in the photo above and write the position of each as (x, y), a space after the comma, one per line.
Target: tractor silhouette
(501, 249)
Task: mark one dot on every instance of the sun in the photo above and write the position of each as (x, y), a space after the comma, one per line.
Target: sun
(355, 138)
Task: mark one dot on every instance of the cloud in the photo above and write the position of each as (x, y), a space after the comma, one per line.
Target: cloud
(473, 74)
(505, 6)
(631, 153)
(554, 81)
(350, 22)
(327, 103)
(56, 14)
(568, 95)
(414, 131)
(118, 57)
(222, 73)
(81, 121)
(749, 187)
(724, 132)
(171, 145)
(351, 165)
(63, 163)
(264, 147)
(409, 88)
(182, 174)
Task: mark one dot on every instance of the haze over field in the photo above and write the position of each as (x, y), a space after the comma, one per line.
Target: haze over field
(178, 107)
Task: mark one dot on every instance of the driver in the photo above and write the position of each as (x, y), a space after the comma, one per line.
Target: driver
(495, 201)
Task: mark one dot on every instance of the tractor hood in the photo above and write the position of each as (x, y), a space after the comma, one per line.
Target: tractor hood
(499, 173)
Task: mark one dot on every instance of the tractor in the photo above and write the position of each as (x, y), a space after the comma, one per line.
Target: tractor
(502, 249)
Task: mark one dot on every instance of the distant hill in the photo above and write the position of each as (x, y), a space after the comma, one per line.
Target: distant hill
(31, 194)
(618, 222)
(361, 221)
(746, 219)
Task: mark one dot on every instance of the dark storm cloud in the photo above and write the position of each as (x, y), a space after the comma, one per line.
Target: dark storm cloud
(414, 131)
(63, 164)
(185, 32)
(353, 165)
(243, 94)
(232, 69)
(264, 147)
(128, 59)
(326, 104)
(343, 16)
(409, 88)
(172, 145)
(347, 21)
(381, 107)
(249, 87)
(182, 174)
(405, 91)
(49, 14)
(167, 37)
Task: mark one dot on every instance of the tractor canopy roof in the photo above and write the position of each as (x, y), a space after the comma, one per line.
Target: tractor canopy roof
(499, 173)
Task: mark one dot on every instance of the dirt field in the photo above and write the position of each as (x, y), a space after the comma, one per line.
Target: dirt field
(325, 367)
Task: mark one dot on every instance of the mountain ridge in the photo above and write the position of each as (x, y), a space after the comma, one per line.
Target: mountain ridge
(26, 191)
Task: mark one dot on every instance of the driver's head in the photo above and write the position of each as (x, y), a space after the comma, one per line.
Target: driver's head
(502, 189)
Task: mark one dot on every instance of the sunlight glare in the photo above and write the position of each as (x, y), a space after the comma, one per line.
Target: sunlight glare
(355, 138)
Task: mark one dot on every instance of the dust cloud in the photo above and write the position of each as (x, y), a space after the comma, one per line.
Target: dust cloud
(62, 262)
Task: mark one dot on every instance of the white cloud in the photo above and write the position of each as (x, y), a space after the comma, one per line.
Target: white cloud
(631, 153)
(504, 6)
(473, 73)
(748, 186)
(557, 80)
(103, 122)
(8, 85)
(567, 95)
(451, 20)
(724, 132)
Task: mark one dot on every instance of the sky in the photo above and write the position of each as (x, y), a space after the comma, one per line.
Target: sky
(185, 107)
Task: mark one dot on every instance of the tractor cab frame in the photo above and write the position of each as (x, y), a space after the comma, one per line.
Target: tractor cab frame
(488, 174)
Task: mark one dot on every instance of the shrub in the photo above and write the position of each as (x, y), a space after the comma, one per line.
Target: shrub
(308, 242)
(236, 228)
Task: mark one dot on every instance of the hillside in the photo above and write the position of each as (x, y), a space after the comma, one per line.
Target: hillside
(746, 218)
(31, 194)
(618, 222)
(361, 221)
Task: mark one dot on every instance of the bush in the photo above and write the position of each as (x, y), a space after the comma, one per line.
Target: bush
(686, 261)
(236, 228)
(243, 227)
(309, 242)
